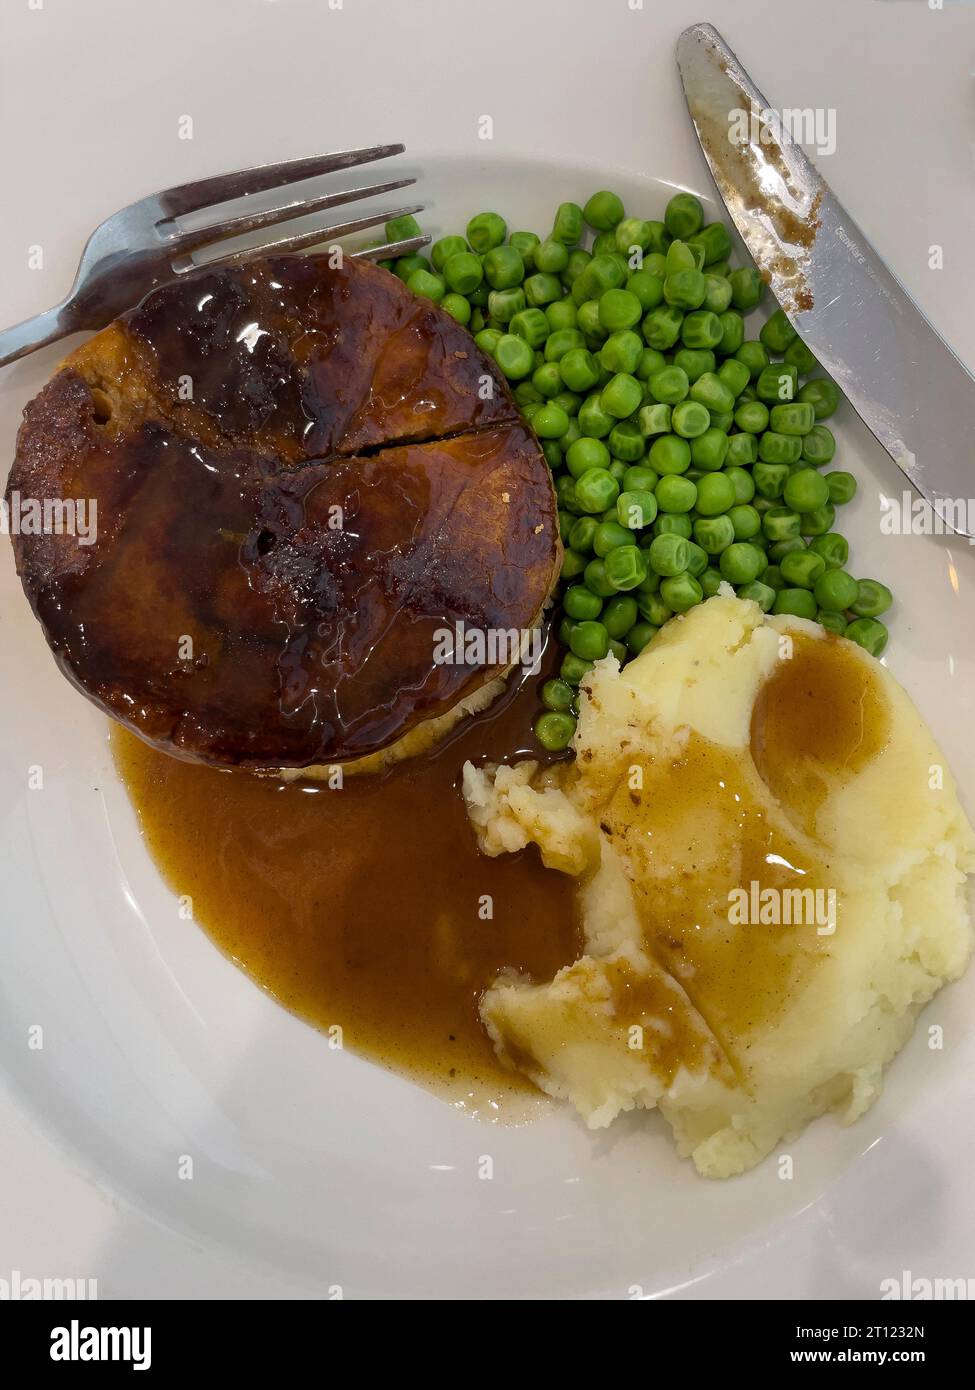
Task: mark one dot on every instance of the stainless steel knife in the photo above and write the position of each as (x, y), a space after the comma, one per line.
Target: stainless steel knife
(901, 377)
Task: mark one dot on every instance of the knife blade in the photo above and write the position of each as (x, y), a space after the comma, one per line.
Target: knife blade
(900, 376)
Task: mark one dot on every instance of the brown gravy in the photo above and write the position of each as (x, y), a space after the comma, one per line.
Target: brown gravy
(361, 906)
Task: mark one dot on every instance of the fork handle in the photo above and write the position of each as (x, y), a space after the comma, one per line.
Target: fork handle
(35, 333)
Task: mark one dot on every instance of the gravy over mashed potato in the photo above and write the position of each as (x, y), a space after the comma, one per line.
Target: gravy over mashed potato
(771, 862)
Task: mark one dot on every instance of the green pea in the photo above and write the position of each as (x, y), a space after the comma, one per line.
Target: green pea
(798, 603)
(818, 521)
(842, 487)
(462, 271)
(744, 518)
(648, 288)
(776, 383)
(596, 579)
(683, 215)
(596, 489)
(715, 494)
(868, 634)
(778, 550)
(581, 538)
(752, 417)
(581, 603)
(423, 282)
(405, 266)
(402, 228)
(579, 369)
(557, 695)
(676, 494)
(759, 593)
(542, 288)
(715, 241)
(823, 394)
(834, 548)
(714, 533)
(710, 449)
(444, 248)
(669, 385)
(640, 478)
(636, 510)
(777, 332)
(835, 590)
(832, 621)
(486, 231)
(621, 351)
(504, 304)
(797, 417)
(689, 419)
(694, 362)
(567, 227)
(457, 307)
(806, 490)
(741, 480)
(717, 293)
(546, 381)
(710, 391)
(753, 355)
(603, 211)
(593, 420)
(621, 396)
(773, 578)
(670, 454)
(584, 454)
(561, 315)
(685, 288)
(654, 419)
(668, 555)
(573, 564)
(551, 422)
(573, 668)
(873, 598)
(619, 615)
(619, 308)
(801, 358)
(639, 636)
(710, 581)
(526, 244)
(818, 446)
(781, 524)
(779, 448)
(632, 234)
(742, 450)
(610, 534)
(801, 569)
(734, 375)
(742, 563)
(681, 592)
(732, 332)
(672, 524)
(625, 566)
(555, 729)
(701, 329)
(769, 479)
(661, 327)
(589, 641)
(747, 287)
(514, 356)
(530, 324)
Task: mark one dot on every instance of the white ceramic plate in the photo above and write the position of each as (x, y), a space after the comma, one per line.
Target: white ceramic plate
(313, 1170)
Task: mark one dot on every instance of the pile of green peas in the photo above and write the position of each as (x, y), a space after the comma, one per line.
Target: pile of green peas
(683, 454)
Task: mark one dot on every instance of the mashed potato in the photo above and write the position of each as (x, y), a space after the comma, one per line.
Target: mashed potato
(771, 860)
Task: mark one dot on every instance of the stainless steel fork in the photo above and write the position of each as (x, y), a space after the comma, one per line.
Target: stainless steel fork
(142, 246)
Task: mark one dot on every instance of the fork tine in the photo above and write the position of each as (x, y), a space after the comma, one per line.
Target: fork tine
(183, 264)
(392, 250)
(190, 197)
(252, 222)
